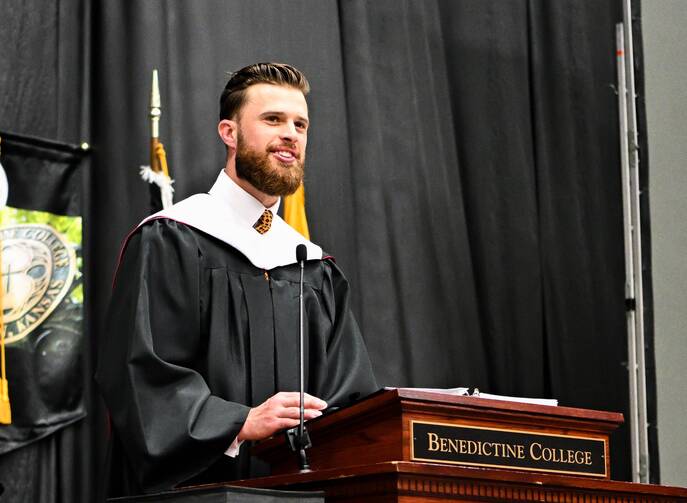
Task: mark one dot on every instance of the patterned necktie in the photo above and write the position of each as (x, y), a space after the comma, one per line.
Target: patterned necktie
(264, 222)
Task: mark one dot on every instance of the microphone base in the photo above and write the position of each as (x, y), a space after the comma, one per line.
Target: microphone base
(303, 460)
(296, 442)
(299, 444)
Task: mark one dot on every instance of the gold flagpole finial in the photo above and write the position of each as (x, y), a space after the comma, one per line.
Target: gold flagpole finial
(155, 113)
(158, 171)
(155, 105)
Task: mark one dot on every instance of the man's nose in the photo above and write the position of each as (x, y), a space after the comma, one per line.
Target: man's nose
(289, 131)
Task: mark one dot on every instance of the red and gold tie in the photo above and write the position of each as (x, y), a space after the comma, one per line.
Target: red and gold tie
(264, 222)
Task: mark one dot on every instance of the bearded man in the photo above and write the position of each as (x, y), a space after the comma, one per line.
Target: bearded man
(200, 353)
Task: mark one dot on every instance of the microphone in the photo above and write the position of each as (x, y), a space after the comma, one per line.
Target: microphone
(302, 439)
(301, 255)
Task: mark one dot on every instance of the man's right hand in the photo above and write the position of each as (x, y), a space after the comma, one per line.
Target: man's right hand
(279, 412)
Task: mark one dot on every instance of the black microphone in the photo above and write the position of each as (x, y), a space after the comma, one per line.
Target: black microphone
(301, 256)
(302, 440)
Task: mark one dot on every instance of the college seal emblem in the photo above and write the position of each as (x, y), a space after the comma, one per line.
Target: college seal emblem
(38, 268)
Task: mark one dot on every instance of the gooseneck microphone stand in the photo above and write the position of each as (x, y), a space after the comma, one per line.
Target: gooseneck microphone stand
(298, 439)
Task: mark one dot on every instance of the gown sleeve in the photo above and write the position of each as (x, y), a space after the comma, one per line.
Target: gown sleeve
(349, 376)
(170, 425)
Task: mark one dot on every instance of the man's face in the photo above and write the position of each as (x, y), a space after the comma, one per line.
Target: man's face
(271, 138)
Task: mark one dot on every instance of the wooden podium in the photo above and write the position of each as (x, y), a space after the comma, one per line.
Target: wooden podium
(414, 446)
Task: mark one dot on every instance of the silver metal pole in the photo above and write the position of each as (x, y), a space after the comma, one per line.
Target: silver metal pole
(629, 257)
(636, 245)
(636, 342)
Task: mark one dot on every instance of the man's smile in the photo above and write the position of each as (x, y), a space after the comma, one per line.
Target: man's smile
(283, 154)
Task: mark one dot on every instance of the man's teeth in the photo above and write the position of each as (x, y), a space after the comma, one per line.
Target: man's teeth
(284, 154)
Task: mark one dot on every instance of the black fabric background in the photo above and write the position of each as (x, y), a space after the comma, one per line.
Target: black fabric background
(463, 168)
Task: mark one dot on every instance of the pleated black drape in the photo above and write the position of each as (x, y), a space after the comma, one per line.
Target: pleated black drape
(462, 168)
(418, 303)
(536, 129)
(492, 105)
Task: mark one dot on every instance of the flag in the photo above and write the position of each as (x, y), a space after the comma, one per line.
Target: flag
(41, 238)
(294, 211)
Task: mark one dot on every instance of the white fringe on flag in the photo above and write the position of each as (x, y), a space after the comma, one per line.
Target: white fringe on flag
(163, 182)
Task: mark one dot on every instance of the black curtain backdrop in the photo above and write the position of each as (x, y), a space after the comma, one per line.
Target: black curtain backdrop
(463, 168)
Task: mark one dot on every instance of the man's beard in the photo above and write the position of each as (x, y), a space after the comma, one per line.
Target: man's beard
(257, 169)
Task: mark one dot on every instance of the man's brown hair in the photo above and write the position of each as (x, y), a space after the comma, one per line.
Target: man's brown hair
(280, 74)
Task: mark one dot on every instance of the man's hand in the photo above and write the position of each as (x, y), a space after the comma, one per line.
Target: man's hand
(277, 413)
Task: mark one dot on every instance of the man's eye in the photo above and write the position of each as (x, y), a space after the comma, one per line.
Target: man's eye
(301, 125)
(272, 119)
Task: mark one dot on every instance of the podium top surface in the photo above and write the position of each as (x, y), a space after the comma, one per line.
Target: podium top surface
(415, 399)
(439, 397)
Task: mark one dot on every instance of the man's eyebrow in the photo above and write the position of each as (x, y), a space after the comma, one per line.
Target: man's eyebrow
(282, 114)
(271, 112)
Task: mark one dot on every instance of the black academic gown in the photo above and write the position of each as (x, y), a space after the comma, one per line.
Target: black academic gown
(196, 335)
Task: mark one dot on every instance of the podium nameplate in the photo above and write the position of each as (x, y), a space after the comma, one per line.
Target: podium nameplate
(513, 449)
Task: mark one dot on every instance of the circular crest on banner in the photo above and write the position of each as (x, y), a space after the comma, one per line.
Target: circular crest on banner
(38, 268)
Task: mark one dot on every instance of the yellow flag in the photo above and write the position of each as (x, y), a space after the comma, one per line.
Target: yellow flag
(294, 211)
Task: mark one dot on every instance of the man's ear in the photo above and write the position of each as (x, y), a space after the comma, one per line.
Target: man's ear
(228, 132)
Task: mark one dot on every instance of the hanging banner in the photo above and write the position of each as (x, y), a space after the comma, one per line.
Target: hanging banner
(42, 302)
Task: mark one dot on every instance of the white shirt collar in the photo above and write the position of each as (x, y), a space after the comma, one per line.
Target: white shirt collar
(244, 206)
